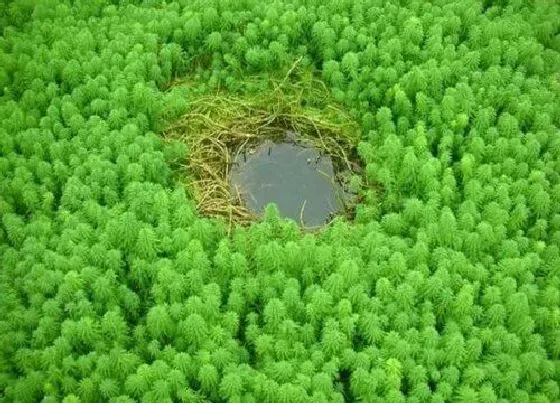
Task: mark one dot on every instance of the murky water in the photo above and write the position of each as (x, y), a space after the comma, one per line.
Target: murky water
(297, 178)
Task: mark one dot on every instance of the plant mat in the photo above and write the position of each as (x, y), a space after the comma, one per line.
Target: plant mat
(218, 127)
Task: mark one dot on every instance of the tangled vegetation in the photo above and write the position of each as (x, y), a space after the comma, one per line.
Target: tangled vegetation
(217, 127)
(445, 287)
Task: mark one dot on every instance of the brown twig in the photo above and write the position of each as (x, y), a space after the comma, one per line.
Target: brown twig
(301, 213)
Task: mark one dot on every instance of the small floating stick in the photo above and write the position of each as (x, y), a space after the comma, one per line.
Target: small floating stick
(301, 213)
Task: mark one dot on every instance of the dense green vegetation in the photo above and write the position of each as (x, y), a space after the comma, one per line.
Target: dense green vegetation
(445, 286)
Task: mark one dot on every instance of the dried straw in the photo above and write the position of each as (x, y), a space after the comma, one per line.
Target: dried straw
(217, 126)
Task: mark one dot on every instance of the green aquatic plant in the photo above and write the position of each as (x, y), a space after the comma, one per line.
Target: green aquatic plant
(116, 286)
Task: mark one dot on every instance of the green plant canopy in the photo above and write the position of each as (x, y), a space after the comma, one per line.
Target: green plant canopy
(126, 278)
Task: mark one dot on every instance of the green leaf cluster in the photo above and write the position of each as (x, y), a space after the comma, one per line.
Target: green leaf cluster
(445, 287)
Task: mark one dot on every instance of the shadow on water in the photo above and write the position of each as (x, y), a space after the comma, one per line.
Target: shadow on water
(306, 185)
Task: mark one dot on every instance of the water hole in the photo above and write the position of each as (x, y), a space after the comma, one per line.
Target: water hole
(307, 185)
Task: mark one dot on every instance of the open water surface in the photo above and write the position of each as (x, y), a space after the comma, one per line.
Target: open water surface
(298, 178)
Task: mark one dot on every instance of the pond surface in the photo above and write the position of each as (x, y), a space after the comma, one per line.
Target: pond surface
(297, 178)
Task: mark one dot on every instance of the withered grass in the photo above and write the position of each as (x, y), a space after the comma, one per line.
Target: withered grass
(217, 127)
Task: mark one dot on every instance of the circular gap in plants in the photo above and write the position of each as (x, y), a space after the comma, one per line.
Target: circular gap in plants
(291, 146)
